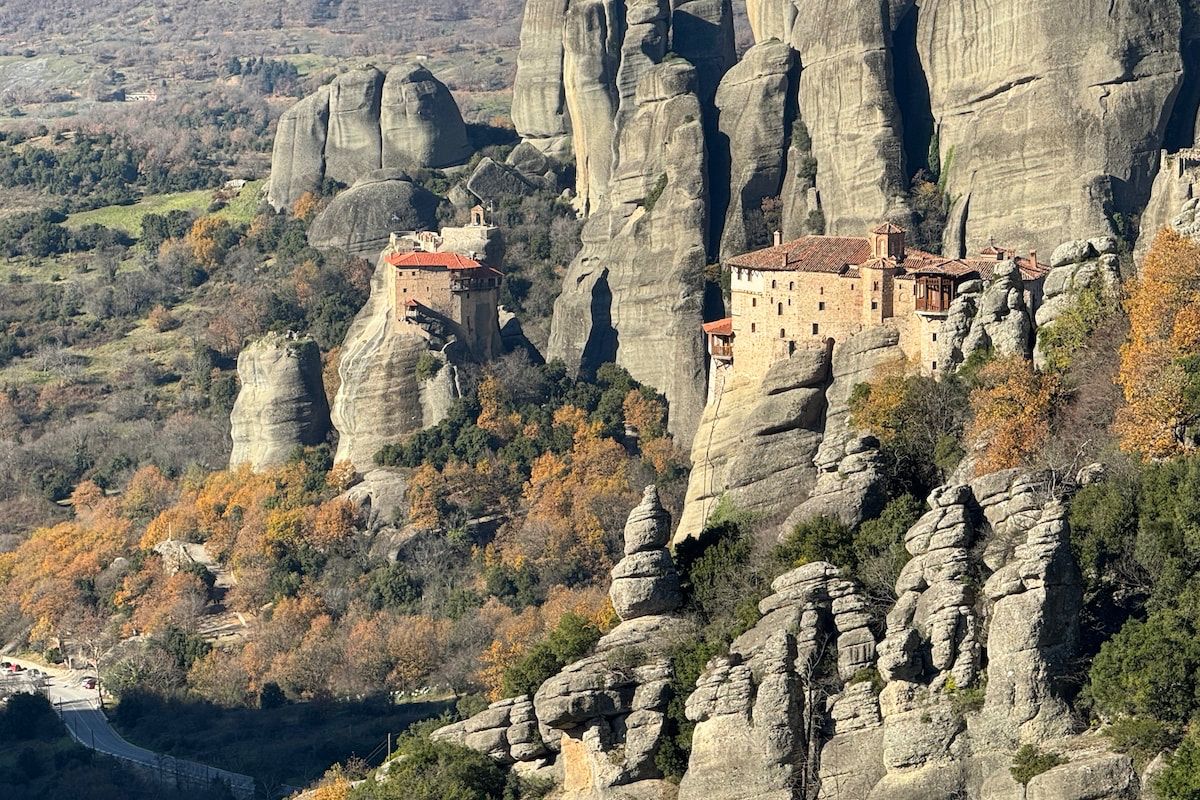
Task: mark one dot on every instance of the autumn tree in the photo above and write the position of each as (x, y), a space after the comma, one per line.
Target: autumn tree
(1011, 412)
(1160, 362)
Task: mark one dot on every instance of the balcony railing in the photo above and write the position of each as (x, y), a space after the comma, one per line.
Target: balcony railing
(721, 350)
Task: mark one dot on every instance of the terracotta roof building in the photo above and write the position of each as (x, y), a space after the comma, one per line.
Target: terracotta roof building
(818, 289)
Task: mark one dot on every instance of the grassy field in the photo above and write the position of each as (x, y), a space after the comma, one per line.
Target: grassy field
(292, 745)
(129, 218)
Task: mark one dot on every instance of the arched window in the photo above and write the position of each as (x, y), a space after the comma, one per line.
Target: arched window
(791, 285)
(772, 284)
(782, 333)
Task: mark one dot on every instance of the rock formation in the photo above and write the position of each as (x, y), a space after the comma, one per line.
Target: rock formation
(782, 448)
(753, 102)
(360, 219)
(1176, 185)
(610, 707)
(1079, 266)
(281, 405)
(362, 122)
(601, 719)
(419, 121)
(991, 590)
(539, 103)
(1049, 117)
(986, 316)
(633, 294)
(380, 398)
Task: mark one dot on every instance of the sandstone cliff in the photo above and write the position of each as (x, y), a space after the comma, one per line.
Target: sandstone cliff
(380, 398)
(281, 405)
(364, 121)
(539, 104)
(633, 294)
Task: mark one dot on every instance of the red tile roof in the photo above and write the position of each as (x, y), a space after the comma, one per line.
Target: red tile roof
(720, 327)
(422, 260)
(842, 255)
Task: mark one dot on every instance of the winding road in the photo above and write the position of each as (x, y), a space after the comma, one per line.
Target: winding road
(80, 711)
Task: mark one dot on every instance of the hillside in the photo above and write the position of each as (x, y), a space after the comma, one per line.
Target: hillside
(695, 400)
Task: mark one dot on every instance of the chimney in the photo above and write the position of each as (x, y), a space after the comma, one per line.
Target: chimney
(1033, 258)
(778, 238)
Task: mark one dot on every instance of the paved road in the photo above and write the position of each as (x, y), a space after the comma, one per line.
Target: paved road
(80, 712)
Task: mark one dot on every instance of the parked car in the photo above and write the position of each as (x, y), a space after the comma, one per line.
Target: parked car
(5, 664)
(15, 668)
(89, 683)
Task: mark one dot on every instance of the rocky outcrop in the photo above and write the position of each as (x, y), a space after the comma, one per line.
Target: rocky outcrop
(380, 399)
(419, 121)
(781, 448)
(1176, 186)
(592, 36)
(1049, 117)
(752, 102)
(281, 405)
(610, 707)
(298, 154)
(992, 316)
(702, 33)
(633, 294)
(492, 182)
(807, 697)
(362, 122)
(506, 730)
(756, 441)
(360, 219)
(539, 105)
(757, 709)
(1079, 266)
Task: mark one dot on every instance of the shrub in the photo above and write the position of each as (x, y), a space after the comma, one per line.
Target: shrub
(428, 366)
(1148, 669)
(655, 194)
(820, 539)
(1141, 737)
(570, 640)
(426, 770)
(1029, 762)
(1180, 780)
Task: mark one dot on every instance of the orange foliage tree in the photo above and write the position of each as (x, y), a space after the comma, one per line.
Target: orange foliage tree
(1158, 370)
(1011, 412)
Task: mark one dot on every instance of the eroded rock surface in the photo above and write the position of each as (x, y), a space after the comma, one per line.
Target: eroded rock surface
(281, 405)
(360, 219)
(633, 294)
(539, 104)
(1079, 266)
(991, 315)
(364, 121)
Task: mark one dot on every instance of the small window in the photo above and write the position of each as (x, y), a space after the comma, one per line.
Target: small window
(935, 337)
(875, 285)
(821, 306)
(405, 290)
(791, 285)
(852, 287)
(782, 333)
(816, 329)
(821, 290)
(754, 302)
(935, 366)
(789, 302)
(779, 309)
(874, 305)
(752, 327)
(772, 284)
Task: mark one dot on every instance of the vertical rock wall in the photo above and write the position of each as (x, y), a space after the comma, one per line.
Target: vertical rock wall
(281, 405)
(633, 295)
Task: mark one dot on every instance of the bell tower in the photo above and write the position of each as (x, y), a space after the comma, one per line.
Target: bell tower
(887, 241)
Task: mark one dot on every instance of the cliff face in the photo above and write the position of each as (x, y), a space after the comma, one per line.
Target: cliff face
(380, 399)
(633, 295)
(281, 405)
(364, 121)
(1049, 116)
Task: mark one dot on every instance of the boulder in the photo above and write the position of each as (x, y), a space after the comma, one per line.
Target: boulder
(633, 295)
(281, 405)
(492, 182)
(419, 121)
(360, 219)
